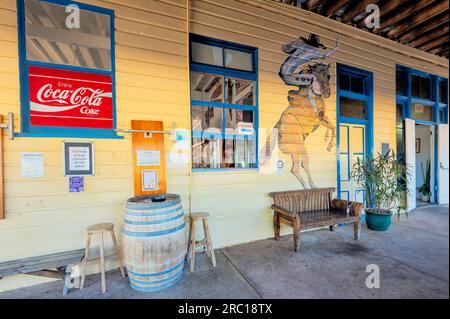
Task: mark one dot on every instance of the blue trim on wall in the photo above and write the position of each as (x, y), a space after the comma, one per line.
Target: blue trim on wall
(228, 73)
(69, 132)
(368, 121)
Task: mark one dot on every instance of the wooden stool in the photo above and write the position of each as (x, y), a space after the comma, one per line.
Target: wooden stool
(206, 242)
(100, 229)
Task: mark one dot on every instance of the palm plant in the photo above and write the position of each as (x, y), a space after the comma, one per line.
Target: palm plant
(384, 180)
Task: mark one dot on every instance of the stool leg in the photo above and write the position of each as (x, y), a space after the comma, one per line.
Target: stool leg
(192, 248)
(205, 226)
(85, 260)
(208, 238)
(188, 255)
(102, 264)
(116, 248)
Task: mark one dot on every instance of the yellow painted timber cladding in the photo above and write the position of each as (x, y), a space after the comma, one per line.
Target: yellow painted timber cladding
(42, 217)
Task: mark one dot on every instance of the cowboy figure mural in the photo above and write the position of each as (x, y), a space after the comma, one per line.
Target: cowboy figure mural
(306, 110)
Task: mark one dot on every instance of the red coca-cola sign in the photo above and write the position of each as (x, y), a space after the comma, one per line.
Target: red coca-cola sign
(70, 99)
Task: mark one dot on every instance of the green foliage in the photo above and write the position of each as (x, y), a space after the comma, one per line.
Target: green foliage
(425, 188)
(384, 180)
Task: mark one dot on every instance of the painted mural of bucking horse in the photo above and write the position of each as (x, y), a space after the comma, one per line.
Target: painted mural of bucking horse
(306, 110)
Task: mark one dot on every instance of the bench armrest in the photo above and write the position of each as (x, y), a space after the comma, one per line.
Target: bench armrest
(341, 205)
(282, 210)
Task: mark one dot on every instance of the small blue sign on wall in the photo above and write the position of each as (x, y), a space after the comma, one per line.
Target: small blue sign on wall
(76, 184)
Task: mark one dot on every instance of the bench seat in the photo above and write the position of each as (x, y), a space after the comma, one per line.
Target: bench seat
(313, 208)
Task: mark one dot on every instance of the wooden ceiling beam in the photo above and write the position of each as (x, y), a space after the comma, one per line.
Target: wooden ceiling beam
(311, 4)
(419, 18)
(439, 48)
(435, 42)
(407, 12)
(430, 36)
(386, 9)
(418, 32)
(334, 7)
(360, 8)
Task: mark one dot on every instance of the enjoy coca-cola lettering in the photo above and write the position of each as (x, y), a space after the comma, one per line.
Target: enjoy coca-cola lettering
(72, 99)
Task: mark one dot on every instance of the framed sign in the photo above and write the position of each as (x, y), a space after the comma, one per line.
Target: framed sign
(78, 158)
(149, 180)
(417, 145)
(70, 99)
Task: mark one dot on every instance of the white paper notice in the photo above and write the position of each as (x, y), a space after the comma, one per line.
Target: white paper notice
(149, 181)
(32, 165)
(149, 158)
(79, 159)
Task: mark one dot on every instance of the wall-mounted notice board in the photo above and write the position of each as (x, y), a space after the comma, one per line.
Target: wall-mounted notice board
(149, 162)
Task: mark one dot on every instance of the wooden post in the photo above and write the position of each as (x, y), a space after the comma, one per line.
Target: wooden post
(2, 195)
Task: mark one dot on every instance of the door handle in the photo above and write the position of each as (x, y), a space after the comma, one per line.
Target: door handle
(442, 166)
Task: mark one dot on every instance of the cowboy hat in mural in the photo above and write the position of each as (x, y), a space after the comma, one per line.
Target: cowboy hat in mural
(306, 110)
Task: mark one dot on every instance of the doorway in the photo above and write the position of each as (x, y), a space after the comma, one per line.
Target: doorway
(354, 110)
(425, 159)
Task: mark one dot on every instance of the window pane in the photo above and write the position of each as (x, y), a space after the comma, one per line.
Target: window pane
(207, 119)
(443, 116)
(239, 153)
(400, 82)
(399, 131)
(207, 54)
(344, 82)
(240, 92)
(352, 108)
(422, 112)
(425, 88)
(206, 153)
(357, 85)
(238, 60)
(399, 116)
(443, 98)
(206, 87)
(48, 39)
(415, 84)
(239, 122)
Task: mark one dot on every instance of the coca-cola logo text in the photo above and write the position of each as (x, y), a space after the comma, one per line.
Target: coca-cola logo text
(79, 97)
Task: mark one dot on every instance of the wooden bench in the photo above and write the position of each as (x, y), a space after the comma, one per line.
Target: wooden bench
(313, 208)
(40, 265)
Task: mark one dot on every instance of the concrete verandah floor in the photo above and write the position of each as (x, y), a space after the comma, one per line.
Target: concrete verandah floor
(413, 257)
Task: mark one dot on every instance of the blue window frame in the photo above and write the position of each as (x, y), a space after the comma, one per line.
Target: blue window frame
(224, 104)
(101, 62)
(428, 109)
(354, 96)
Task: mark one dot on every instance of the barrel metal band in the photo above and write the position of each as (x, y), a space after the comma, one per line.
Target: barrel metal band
(151, 289)
(158, 273)
(159, 213)
(156, 233)
(156, 282)
(153, 222)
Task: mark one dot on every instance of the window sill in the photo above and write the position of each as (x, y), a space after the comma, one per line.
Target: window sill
(224, 170)
(68, 135)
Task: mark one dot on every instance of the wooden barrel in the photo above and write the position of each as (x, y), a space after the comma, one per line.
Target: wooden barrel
(154, 242)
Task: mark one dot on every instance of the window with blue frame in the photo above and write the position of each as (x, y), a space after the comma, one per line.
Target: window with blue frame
(422, 96)
(67, 69)
(224, 104)
(354, 90)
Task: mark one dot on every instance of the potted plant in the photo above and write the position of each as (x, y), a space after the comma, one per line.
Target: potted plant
(425, 189)
(383, 179)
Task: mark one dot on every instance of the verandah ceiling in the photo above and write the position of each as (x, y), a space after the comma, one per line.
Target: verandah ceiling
(421, 24)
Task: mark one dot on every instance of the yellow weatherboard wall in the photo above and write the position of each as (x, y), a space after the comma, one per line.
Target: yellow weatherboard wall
(42, 217)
